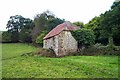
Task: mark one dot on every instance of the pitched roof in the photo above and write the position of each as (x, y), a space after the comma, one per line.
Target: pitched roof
(64, 26)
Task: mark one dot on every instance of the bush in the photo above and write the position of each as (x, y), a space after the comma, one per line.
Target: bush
(0, 36)
(85, 37)
(6, 37)
(39, 39)
(45, 52)
(99, 49)
(24, 36)
(108, 50)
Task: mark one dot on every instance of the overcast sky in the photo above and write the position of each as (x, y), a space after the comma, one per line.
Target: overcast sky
(70, 10)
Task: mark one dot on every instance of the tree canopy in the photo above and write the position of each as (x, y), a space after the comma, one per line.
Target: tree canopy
(80, 24)
(110, 22)
(19, 26)
(45, 21)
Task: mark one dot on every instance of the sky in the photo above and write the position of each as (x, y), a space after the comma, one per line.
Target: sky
(70, 10)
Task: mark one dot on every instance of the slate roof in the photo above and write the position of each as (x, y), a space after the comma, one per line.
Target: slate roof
(64, 26)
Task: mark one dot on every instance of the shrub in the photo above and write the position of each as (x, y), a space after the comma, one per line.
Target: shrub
(0, 36)
(6, 37)
(85, 37)
(24, 36)
(99, 49)
(45, 52)
(108, 50)
(39, 39)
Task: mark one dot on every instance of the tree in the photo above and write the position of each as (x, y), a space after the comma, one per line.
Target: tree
(25, 33)
(52, 23)
(110, 22)
(16, 24)
(24, 36)
(41, 23)
(45, 21)
(94, 25)
(85, 37)
(80, 24)
(6, 36)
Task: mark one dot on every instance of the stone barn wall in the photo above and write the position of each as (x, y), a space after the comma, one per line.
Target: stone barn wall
(67, 43)
(62, 43)
(51, 43)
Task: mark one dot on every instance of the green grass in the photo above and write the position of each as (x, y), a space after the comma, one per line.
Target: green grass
(13, 50)
(67, 67)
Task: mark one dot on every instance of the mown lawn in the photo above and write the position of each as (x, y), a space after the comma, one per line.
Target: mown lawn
(66, 67)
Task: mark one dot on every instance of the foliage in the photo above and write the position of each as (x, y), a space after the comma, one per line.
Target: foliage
(116, 4)
(6, 36)
(80, 24)
(45, 21)
(110, 24)
(106, 27)
(39, 39)
(41, 23)
(14, 26)
(18, 26)
(98, 49)
(1, 36)
(24, 36)
(15, 23)
(85, 37)
(52, 23)
(94, 24)
(25, 33)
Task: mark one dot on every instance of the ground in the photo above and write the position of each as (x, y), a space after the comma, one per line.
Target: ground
(16, 66)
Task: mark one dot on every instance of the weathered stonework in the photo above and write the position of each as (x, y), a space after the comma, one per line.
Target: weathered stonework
(61, 40)
(62, 43)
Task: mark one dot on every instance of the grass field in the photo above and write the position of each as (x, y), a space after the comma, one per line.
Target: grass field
(68, 67)
(14, 50)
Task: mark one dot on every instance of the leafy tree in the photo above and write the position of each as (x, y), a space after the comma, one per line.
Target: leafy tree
(45, 21)
(52, 23)
(41, 23)
(15, 23)
(80, 24)
(85, 37)
(25, 33)
(110, 22)
(15, 26)
(94, 25)
(24, 36)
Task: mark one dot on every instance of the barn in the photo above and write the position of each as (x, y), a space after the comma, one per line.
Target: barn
(61, 40)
